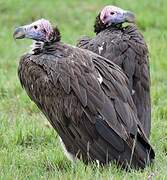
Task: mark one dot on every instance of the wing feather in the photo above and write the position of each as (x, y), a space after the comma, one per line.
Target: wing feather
(126, 47)
(95, 120)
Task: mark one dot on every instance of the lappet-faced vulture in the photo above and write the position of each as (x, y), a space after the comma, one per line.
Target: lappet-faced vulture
(85, 97)
(125, 46)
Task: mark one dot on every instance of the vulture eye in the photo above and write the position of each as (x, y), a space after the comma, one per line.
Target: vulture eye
(112, 13)
(44, 31)
(35, 27)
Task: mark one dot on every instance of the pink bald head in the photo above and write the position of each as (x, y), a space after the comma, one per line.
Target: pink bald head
(40, 30)
(109, 10)
(43, 25)
(115, 15)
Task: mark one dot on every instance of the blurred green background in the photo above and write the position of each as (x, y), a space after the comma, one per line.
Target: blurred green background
(28, 148)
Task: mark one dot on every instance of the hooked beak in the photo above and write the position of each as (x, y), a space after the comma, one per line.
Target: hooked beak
(129, 17)
(19, 33)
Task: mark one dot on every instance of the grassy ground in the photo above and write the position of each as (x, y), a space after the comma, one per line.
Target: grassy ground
(28, 148)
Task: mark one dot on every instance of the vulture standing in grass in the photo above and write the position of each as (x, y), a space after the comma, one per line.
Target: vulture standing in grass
(125, 46)
(85, 97)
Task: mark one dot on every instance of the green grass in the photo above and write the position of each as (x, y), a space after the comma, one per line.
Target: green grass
(31, 150)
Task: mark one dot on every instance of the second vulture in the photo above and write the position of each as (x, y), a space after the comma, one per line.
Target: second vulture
(85, 97)
(124, 45)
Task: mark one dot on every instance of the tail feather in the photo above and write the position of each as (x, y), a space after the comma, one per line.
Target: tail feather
(135, 152)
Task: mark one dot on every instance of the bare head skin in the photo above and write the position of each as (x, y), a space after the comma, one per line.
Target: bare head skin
(112, 15)
(40, 30)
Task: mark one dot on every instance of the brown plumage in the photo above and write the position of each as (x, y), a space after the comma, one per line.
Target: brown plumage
(125, 46)
(86, 99)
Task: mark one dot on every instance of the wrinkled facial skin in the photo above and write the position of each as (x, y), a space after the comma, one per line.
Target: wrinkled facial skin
(111, 15)
(40, 30)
